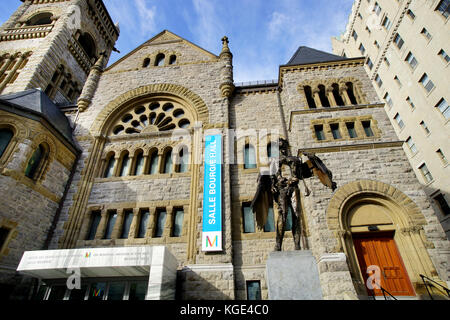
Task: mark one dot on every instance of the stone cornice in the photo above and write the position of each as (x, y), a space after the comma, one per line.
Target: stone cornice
(352, 147)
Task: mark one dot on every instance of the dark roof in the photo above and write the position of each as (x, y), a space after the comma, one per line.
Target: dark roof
(34, 102)
(307, 55)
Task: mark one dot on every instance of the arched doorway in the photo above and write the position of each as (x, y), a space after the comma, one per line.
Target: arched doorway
(377, 224)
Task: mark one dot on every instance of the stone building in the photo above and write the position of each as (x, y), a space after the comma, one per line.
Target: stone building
(406, 46)
(136, 190)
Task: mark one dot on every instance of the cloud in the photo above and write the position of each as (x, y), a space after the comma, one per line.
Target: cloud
(147, 15)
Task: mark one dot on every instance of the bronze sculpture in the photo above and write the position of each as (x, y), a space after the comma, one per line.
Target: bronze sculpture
(273, 186)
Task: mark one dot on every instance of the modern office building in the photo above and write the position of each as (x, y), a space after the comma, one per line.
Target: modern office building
(406, 45)
(104, 180)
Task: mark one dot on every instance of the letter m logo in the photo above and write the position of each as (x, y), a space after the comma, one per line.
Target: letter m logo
(213, 244)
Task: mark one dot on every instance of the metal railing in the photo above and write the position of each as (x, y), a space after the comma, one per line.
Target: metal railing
(384, 294)
(433, 283)
(256, 83)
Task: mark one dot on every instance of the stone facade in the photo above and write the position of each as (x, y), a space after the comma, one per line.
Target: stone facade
(134, 118)
(414, 43)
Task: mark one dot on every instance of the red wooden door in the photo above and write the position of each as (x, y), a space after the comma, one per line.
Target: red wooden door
(380, 250)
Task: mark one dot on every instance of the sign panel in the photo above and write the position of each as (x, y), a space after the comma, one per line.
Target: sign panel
(212, 194)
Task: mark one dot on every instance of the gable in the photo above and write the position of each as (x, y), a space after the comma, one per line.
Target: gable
(168, 44)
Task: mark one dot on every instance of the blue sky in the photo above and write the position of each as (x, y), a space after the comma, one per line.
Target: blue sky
(263, 34)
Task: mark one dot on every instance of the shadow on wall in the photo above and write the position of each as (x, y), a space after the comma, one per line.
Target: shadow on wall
(210, 285)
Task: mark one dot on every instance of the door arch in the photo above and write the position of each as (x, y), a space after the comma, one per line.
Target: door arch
(350, 214)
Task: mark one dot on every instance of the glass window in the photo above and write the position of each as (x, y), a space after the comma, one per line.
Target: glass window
(411, 103)
(398, 41)
(369, 63)
(351, 129)
(173, 59)
(160, 60)
(253, 290)
(249, 157)
(442, 156)
(411, 60)
(116, 290)
(411, 145)
(34, 162)
(387, 23)
(160, 223)
(270, 223)
(154, 159)
(397, 80)
(110, 167)
(426, 82)
(425, 33)
(367, 128)
(444, 55)
(444, 108)
(388, 99)
(143, 223)
(178, 223)
(139, 164)
(125, 165)
(95, 221)
(335, 131)
(249, 221)
(138, 290)
(411, 14)
(425, 127)
(444, 8)
(377, 8)
(319, 132)
(183, 160)
(97, 291)
(127, 219)
(112, 216)
(362, 49)
(354, 35)
(5, 138)
(378, 81)
(399, 121)
(146, 62)
(168, 162)
(426, 173)
(273, 150)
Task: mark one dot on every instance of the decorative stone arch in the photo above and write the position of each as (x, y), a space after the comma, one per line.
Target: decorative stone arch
(20, 133)
(48, 142)
(407, 225)
(193, 103)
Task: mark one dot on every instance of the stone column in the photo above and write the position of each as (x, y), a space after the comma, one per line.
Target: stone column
(345, 97)
(116, 165)
(117, 229)
(12, 72)
(330, 96)
(151, 222)
(102, 225)
(91, 84)
(9, 59)
(169, 222)
(227, 85)
(317, 98)
(134, 224)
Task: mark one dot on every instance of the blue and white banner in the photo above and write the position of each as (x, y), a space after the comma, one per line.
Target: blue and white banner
(212, 194)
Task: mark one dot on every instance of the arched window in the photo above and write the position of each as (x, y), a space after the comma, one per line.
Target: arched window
(36, 162)
(139, 163)
(125, 165)
(336, 95)
(159, 61)
(167, 168)
(183, 160)
(323, 96)
(109, 171)
(88, 44)
(351, 93)
(5, 138)
(249, 157)
(40, 19)
(273, 150)
(154, 160)
(173, 59)
(146, 62)
(309, 97)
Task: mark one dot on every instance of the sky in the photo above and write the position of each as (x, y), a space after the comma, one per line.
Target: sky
(263, 34)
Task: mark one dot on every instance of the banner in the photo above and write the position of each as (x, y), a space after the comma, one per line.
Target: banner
(212, 194)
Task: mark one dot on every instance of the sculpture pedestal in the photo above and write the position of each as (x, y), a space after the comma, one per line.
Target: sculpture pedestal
(293, 275)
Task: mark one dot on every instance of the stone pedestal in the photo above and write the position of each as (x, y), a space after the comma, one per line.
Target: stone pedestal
(293, 275)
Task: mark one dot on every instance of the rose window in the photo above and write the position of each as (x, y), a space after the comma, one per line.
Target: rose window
(152, 116)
